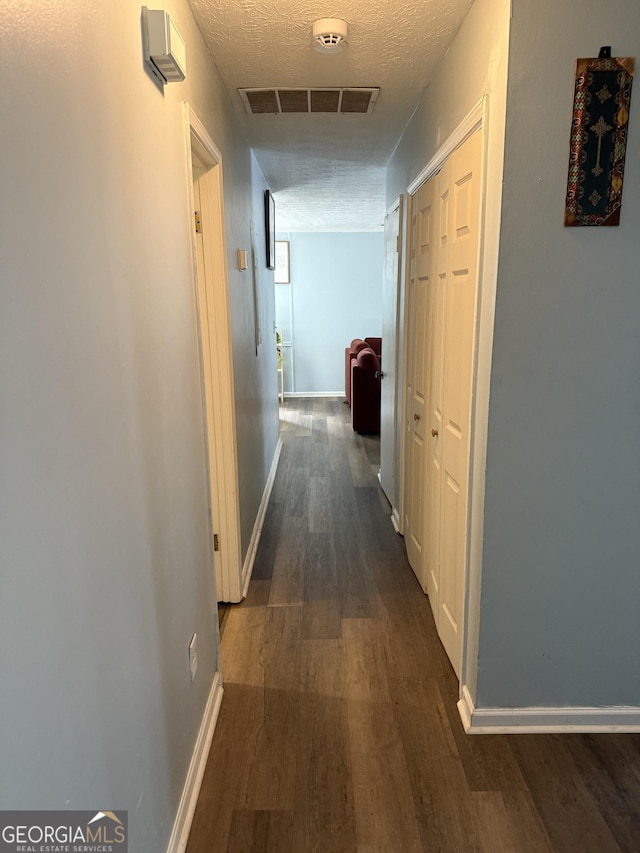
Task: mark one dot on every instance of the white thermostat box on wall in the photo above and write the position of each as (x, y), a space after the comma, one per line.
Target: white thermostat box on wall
(164, 48)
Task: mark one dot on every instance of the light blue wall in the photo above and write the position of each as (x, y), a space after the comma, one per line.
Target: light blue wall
(255, 370)
(105, 554)
(561, 587)
(335, 295)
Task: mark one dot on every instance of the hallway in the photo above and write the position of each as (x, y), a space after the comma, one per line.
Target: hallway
(339, 730)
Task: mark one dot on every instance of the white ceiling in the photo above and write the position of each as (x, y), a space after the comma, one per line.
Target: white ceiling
(327, 172)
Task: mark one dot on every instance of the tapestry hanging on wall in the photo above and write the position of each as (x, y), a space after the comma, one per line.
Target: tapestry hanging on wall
(598, 140)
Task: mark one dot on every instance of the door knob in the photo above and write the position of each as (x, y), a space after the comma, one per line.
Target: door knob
(416, 417)
(434, 433)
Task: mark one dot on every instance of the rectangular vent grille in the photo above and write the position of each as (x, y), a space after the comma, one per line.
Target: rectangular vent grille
(276, 101)
(329, 102)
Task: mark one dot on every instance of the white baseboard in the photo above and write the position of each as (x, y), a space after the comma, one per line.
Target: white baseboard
(189, 799)
(252, 550)
(313, 394)
(487, 721)
(395, 516)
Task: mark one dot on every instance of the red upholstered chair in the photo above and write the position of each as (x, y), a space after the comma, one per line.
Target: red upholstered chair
(365, 392)
(376, 345)
(350, 354)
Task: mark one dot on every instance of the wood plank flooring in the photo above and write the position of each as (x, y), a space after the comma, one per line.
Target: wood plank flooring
(339, 732)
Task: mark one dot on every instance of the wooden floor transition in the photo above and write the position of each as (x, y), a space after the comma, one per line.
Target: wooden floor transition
(339, 732)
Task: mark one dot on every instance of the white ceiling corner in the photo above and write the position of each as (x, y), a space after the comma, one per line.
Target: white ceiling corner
(327, 172)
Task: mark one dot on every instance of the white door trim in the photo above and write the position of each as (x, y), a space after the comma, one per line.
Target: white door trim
(393, 445)
(404, 281)
(220, 427)
(398, 430)
(476, 119)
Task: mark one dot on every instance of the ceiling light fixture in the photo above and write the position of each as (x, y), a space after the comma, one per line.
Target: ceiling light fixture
(330, 35)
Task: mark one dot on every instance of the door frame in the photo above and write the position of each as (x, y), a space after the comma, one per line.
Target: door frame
(394, 321)
(476, 120)
(218, 399)
(403, 343)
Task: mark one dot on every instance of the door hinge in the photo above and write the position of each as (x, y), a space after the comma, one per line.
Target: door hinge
(198, 221)
(216, 542)
(398, 243)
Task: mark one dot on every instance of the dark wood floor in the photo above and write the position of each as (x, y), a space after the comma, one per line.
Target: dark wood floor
(339, 730)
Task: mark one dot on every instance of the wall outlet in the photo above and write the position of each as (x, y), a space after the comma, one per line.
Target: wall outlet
(193, 656)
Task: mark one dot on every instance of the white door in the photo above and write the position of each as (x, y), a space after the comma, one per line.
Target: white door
(422, 244)
(439, 358)
(389, 385)
(436, 303)
(459, 335)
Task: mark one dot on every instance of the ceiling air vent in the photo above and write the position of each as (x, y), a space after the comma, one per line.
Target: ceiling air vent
(274, 101)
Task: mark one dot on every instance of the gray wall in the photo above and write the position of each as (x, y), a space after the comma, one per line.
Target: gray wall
(474, 66)
(105, 566)
(335, 295)
(255, 370)
(561, 590)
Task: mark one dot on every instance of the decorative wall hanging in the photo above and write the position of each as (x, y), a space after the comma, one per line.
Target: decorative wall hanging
(598, 139)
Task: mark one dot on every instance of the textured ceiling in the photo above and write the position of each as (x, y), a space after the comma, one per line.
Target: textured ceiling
(328, 171)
